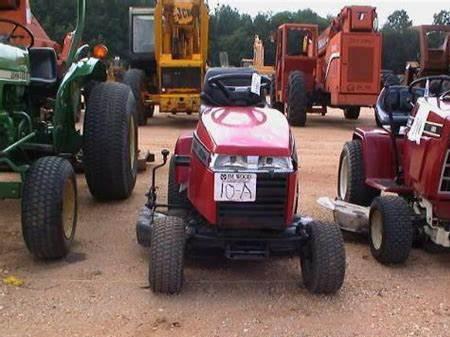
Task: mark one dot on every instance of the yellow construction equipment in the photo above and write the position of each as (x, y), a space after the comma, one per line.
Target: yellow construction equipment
(168, 53)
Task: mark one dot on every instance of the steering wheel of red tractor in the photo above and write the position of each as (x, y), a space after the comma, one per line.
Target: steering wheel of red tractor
(18, 34)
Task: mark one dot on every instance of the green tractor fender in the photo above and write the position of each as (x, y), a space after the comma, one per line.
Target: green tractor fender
(66, 138)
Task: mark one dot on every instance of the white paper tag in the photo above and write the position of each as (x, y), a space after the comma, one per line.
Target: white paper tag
(418, 126)
(256, 84)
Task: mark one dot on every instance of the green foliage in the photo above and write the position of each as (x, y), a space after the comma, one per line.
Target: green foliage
(442, 18)
(398, 21)
(106, 22)
(230, 30)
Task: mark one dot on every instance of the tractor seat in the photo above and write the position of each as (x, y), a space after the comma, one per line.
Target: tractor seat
(43, 67)
(396, 99)
(239, 88)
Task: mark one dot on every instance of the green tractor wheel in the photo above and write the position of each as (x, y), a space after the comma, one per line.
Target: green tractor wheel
(49, 208)
(110, 150)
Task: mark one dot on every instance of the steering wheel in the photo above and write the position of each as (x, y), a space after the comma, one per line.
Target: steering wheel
(435, 91)
(12, 35)
(218, 82)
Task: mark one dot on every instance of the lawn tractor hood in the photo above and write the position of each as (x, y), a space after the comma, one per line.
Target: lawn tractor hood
(245, 131)
(14, 64)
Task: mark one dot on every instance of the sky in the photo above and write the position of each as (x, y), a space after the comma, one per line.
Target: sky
(421, 12)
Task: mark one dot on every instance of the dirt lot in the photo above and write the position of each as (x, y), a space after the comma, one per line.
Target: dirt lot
(100, 289)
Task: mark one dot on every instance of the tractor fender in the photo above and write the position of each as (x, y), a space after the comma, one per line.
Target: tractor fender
(378, 153)
(68, 100)
(183, 148)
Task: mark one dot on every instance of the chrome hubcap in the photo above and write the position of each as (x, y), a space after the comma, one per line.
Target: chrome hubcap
(132, 143)
(343, 178)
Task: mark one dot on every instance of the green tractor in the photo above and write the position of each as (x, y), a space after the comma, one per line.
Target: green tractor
(41, 142)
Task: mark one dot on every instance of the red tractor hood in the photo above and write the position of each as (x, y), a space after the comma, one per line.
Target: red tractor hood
(246, 131)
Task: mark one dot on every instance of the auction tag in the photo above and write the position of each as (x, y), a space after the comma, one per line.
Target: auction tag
(418, 126)
(256, 84)
(235, 187)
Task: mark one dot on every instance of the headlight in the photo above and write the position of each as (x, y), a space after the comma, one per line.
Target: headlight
(251, 163)
(276, 163)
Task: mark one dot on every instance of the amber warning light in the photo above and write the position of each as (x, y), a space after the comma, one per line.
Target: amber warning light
(100, 51)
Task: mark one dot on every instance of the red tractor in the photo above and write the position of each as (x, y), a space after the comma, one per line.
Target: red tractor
(394, 182)
(340, 68)
(233, 185)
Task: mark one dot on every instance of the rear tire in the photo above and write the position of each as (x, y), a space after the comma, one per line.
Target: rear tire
(166, 268)
(323, 259)
(391, 231)
(110, 151)
(135, 79)
(297, 99)
(174, 196)
(49, 208)
(352, 187)
(352, 112)
(273, 98)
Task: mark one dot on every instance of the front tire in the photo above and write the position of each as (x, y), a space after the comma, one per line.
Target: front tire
(323, 259)
(297, 104)
(391, 230)
(166, 270)
(352, 112)
(49, 208)
(352, 187)
(110, 150)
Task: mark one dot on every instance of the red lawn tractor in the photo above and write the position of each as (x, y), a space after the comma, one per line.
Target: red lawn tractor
(394, 182)
(233, 186)
(340, 68)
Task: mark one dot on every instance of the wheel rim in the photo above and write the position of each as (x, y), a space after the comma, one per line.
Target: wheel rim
(69, 208)
(376, 229)
(132, 143)
(343, 178)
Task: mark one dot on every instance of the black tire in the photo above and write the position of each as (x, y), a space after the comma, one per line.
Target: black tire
(352, 112)
(352, 185)
(323, 259)
(167, 255)
(174, 196)
(297, 101)
(432, 248)
(391, 230)
(110, 150)
(273, 99)
(49, 208)
(135, 79)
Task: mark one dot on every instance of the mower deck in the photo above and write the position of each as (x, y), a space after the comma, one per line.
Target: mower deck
(237, 244)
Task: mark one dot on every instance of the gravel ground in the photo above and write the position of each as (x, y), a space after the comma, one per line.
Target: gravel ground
(100, 289)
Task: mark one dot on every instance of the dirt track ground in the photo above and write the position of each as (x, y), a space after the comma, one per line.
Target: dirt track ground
(100, 289)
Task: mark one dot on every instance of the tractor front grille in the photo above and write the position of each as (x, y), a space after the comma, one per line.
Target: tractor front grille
(182, 78)
(445, 179)
(268, 211)
(362, 61)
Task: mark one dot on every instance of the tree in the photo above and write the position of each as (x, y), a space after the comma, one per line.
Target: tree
(442, 18)
(398, 21)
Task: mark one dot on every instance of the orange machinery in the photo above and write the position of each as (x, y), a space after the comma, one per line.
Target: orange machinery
(350, 54)
(340, 68)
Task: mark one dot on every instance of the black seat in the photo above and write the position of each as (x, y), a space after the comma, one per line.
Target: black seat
(397, 100)
(239, 88)
(43, 67)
